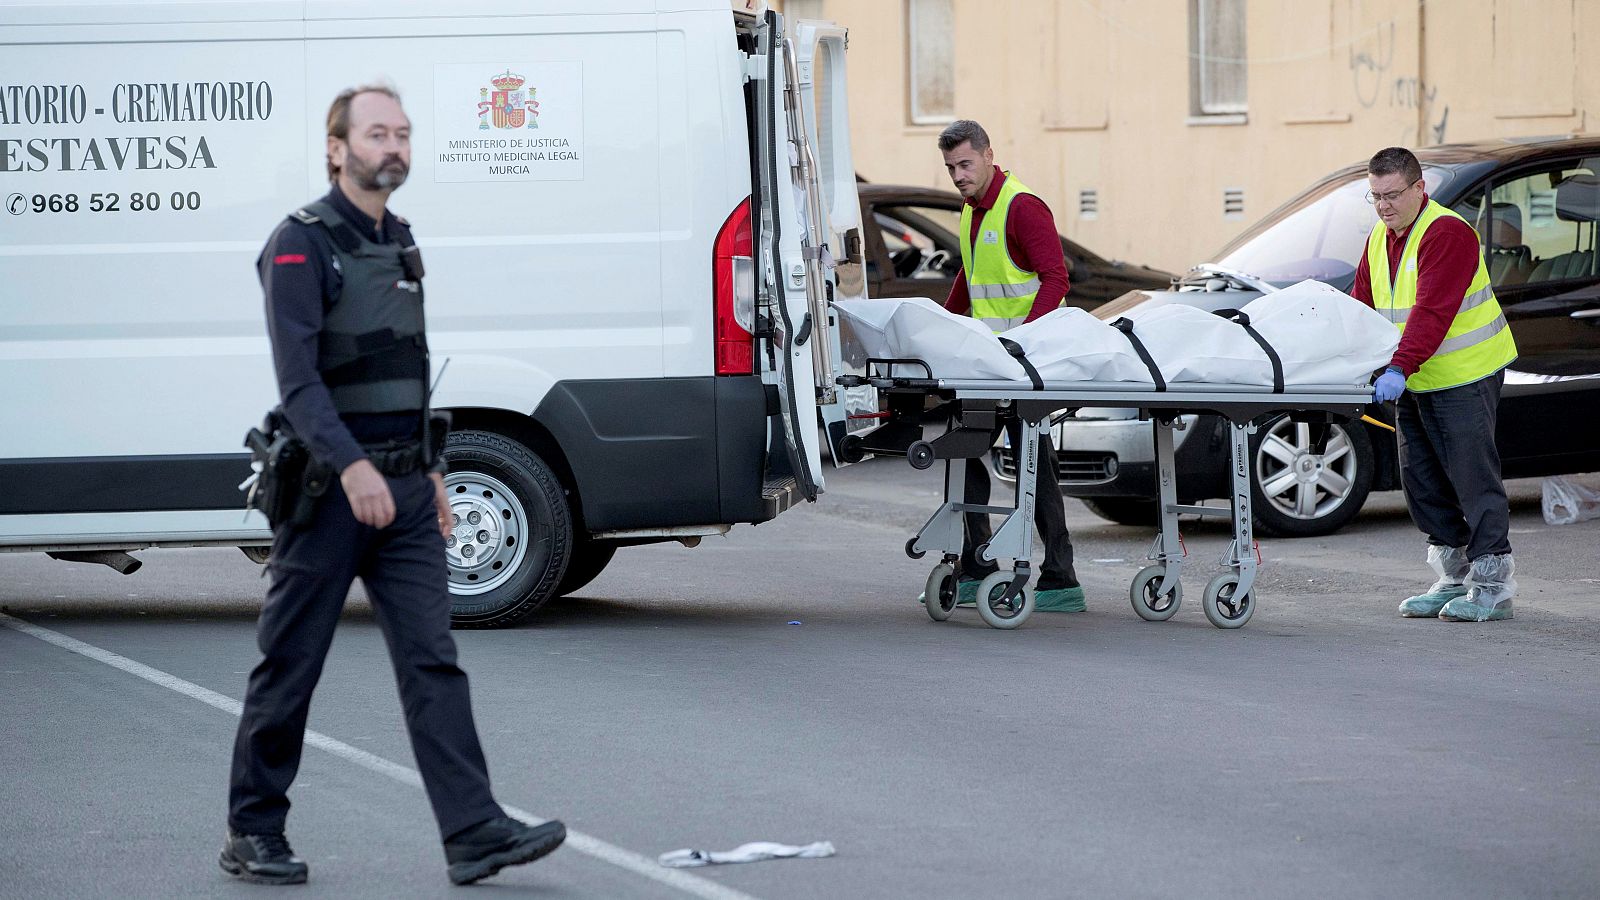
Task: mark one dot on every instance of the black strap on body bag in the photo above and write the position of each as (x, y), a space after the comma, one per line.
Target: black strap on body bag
(1015, 349)
(1240, 318)
(1125, 325)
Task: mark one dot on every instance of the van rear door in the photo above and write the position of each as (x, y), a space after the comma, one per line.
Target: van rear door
(788, 256)
(810, 228)
(820, 77)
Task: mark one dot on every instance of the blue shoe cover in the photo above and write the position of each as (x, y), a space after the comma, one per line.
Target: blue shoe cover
(1466, 609)
(1426, 606)
(1490, 586)
(1059, 600)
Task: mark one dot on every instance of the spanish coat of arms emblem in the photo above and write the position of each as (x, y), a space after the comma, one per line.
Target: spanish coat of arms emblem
(507, 105)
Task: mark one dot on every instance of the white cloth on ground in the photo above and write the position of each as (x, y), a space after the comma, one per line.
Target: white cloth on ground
(752, 852)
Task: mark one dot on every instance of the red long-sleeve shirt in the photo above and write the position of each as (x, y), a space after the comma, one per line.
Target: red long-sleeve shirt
(1447, 260)
(1033, 242)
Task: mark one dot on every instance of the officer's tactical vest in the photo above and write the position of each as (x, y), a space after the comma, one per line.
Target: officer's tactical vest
(1002, 294)
(372, 352)
(1478, 343)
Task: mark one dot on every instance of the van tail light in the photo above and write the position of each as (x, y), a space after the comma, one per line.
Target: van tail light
(733, 277)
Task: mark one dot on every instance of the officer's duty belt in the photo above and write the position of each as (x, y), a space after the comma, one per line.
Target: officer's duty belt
(395, 460)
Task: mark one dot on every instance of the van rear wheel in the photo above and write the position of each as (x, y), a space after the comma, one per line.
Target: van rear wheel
(511, 535)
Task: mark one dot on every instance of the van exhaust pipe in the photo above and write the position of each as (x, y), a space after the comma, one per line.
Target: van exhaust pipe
(116, 559)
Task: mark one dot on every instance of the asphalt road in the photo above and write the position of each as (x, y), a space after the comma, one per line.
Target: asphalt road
(1328, 748)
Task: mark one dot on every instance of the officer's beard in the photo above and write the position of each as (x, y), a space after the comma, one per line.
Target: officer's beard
(385, 176)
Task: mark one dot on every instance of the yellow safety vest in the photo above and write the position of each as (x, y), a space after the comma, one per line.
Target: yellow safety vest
(1002, 294)
(1478, 343)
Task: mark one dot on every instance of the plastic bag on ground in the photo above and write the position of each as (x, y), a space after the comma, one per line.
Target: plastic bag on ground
(1565, 501)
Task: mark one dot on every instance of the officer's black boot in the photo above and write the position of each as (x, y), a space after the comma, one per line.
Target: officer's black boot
(261, 859)
(488, 847)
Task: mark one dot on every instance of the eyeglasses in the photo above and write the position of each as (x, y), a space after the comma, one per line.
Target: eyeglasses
(1389, 197)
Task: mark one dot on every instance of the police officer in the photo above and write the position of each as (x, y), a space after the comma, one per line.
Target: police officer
(1424, 270)
(344, 310)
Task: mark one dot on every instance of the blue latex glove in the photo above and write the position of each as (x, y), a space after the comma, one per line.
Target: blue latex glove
(1389, 386)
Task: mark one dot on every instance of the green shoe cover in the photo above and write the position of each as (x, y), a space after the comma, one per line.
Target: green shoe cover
(1465, 609)
(1059, 600)
(966, 593)
(1426, 606)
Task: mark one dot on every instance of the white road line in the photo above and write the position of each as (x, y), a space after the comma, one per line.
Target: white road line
(583, 843)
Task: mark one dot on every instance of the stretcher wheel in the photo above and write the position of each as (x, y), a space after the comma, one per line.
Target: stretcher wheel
(920, 455)
(1223, 608)
(912, 551)
(1003, 615)
(852, 449)
(939, 595)
(1146, 603)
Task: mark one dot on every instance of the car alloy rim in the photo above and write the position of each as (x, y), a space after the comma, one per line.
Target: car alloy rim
(1301, 484)
(488, 532)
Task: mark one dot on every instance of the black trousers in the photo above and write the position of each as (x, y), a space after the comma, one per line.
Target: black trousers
(1450, 466)
(403, 569)
(1049, 517)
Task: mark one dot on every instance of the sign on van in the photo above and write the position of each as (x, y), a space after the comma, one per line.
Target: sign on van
(497, 121)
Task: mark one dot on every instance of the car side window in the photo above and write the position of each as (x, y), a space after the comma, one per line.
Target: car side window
(1541, 225)
(920, 240)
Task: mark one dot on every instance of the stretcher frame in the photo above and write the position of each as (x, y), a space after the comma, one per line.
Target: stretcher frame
(1156, 591)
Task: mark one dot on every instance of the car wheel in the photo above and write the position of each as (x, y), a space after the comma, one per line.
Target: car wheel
(589, 559)
(1123, 510)
(512, 534)
(1298, 493)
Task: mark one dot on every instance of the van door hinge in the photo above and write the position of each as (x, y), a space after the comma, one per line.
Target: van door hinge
(755, 67)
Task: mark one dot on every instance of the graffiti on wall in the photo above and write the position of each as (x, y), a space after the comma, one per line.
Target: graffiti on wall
(1373, 81)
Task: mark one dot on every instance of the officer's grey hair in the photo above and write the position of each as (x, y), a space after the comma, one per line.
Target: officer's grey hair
(961, 131)
(1395, 161)
(339, 113)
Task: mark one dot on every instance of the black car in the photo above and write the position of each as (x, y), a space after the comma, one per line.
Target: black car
(1535, 204)
(911, 250)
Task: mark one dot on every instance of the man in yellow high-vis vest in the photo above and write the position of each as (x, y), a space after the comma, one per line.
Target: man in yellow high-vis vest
(1424, 270)
(1013, 270)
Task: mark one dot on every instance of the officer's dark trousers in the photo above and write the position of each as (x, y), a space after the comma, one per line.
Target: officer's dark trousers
(403, 568)
(1049, 517)
(1450, 466)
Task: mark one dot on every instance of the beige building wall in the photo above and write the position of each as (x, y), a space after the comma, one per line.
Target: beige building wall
(1095, 95)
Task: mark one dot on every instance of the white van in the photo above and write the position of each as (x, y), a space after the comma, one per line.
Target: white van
(634, 214)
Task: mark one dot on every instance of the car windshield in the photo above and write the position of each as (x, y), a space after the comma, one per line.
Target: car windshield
(1321, 234)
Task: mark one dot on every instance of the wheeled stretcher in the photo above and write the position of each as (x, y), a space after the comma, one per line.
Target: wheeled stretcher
(1005, 599)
